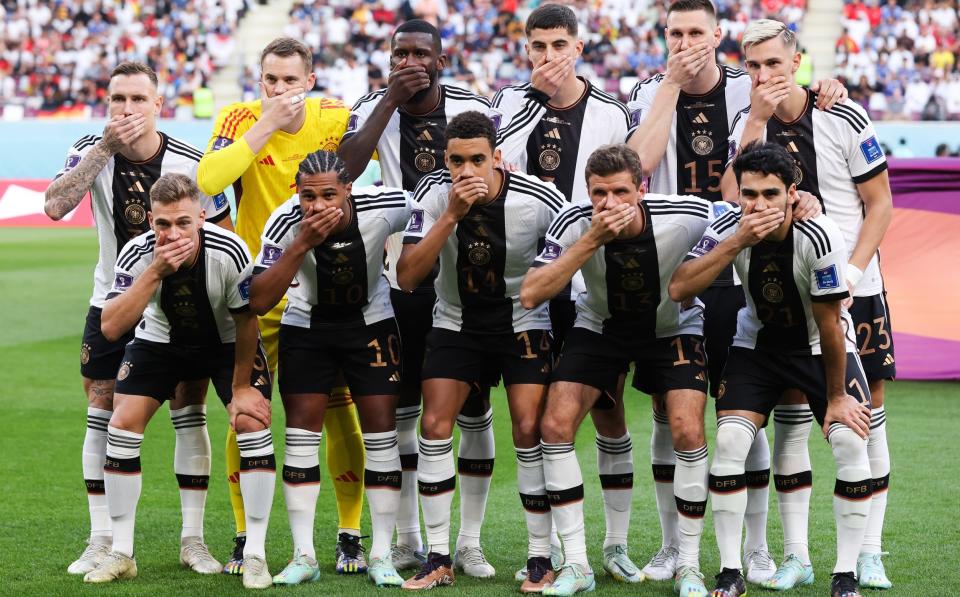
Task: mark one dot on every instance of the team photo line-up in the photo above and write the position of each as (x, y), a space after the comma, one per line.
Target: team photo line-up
(719, 233)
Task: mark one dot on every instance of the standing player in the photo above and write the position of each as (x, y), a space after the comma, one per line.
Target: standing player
(790, 335)
(329, 237)
(838, 158)
(549, 127)
(680, 122)
(187, 283)
(626, 244)
(484, 224)
(405, 125)
(257, 146)
(118, 169)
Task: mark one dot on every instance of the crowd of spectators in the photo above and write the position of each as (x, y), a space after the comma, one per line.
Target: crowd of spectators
(899, 58)
(58, 54)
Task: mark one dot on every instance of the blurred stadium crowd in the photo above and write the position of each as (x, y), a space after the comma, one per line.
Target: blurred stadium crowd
(898, 58)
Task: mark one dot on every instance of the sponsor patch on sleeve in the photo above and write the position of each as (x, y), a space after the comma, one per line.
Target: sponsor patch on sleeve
(495, 118)
(220, 201)
(705, 245)
(871, 150)
(122, 282)
(244, 288)
(352, 123)
(720, 208)
(221, 142)
(827, 278)
(635, 117)
(551, 251)
(271, 254)
(416, 221)
(72, 162)
(731, 150)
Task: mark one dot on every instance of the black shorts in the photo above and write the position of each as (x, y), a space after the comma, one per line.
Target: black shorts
(483, 359)
(369, 357)
(563, 314)
(721, 305)
(871, 318)
(755, 380)
(99, 358)
(154, 369)
(598, 360)
(414, 314)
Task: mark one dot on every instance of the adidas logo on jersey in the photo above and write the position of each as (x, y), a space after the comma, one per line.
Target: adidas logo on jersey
(792, 147)
(395, 376)
(136, 187)
(771, 267)
(701, 377)
(341, 258)
(348, 477)
(183, 291)
(888, 360)
(425, 136)
(701, 118)
(268, 161)
(553, 134)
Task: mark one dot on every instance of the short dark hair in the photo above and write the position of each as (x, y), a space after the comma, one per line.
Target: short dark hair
(691, 5)
(135, 68)
(612, 159)
(419, 26)
(172, 187)
(472, 125)
(766, 158)
(320, 162)
(287, 46)
(552, 16)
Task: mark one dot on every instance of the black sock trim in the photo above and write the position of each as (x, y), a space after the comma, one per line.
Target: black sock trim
(621, 481)
(267, 462)
(437, 487)
(301, 476)
(853, 491)
(691, 509)
(881, 484)
(408, 462)
(122, 466)
(793, 482)
(562, 497)
(475, 467)
(535, 502)
(382, 479)
(663, 473)
(199, 482)
(94, 486)
(758, 479)
(727, 484)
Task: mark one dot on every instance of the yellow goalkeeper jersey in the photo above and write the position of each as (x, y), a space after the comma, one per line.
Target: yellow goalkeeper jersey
(264, 180)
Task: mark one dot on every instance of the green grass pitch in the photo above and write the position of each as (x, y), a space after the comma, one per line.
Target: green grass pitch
(45, 281)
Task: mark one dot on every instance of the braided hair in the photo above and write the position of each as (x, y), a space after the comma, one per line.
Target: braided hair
(320, 162)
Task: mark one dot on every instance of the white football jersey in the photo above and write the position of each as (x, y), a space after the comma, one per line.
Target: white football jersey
(340, 283)
(192, 306)
(120, 197)
(835, 150)
(484, 260)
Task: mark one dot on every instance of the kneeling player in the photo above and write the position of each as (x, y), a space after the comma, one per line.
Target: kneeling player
(189, 282)
(324, 248)
(484, 224)
(793, 334)
(627, 245)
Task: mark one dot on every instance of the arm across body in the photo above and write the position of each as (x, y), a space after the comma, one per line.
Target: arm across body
(246, 400)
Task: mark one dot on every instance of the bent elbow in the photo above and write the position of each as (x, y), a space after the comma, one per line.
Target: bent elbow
(528, 298)
(677, 292)
(110, 331)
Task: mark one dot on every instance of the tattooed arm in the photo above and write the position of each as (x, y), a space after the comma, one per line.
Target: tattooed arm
(64, 194)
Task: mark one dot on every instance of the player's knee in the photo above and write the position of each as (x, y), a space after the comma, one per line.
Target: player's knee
(435, 427)
(609, 423)
(732, 443)
(526, 430)
(99, 393)
(247, 424)
(555, 429)
(687, 434)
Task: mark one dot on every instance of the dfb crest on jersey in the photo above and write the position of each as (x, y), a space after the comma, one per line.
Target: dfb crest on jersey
(702, 144)
(478, 253)
(772, 292)
(425, 162)
(124, 371)
(135, 213)
(84, 353)
(549, 159)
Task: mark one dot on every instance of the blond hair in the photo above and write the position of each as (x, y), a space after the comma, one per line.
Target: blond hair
(763, 30)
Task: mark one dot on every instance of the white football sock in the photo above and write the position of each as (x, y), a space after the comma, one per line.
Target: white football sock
(758, 493)
(301, 485)
(728, 486)
(664, 460)
(475, 467)
(533, 496)
(122, 480)
(408, 514)
(436, 480)
(792, 475)
(615, 467)
(564, 485)
(851, 494)
(94, 452)
(191, 464)
(258, 477)
(690, 493)
(879, 455)
(382, 480)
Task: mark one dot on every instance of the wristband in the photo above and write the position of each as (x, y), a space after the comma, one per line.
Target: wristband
(854, 274)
